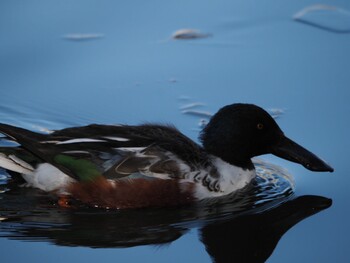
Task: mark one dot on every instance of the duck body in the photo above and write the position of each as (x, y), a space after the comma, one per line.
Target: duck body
(123, 166)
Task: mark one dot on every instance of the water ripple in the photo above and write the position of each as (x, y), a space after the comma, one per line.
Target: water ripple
(30, 214)
(329, 18)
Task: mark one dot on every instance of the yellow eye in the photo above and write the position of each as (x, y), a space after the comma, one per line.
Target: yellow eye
(260, 126)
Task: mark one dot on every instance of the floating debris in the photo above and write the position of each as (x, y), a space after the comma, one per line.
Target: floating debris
(276, 113)
(189, 34)
(192, 105)
(202, 123)
(330, 18)
(42, 129)
(312, 8)
(173, 80)
(204, 114)
(82, 37)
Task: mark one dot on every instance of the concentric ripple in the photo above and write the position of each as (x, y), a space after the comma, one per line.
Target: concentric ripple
(272, 186)
(272, 182)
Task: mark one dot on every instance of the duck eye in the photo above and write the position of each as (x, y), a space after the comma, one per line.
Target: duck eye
(260, 126)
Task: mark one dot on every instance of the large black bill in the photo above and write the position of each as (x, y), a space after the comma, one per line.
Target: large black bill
(289, 150)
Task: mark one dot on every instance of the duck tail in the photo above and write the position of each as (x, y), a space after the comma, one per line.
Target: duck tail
(13, 157)
(11, 162)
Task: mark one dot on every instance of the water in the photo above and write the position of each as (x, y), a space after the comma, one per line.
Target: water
(129, 70)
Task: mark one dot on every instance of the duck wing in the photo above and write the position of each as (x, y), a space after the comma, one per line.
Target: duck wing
(112, 151)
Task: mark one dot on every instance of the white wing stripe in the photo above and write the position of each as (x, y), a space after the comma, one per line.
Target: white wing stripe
(20, 162)
(119, 139)
(7, 163)
(80, 140)
(131, 149)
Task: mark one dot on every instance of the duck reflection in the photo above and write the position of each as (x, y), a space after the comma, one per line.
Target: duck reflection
(247, 237)
(252, 238)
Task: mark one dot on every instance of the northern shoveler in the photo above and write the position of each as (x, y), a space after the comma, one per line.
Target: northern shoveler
(123, 166)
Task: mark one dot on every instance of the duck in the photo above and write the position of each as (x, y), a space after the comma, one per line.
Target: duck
(150, 165)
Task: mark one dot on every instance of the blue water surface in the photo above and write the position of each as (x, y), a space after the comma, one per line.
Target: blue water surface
(133, 72)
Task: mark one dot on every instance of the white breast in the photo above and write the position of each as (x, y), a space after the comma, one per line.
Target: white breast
(230, 179)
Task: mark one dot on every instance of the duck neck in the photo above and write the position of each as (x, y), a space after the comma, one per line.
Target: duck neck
(244, 163)
(232, 152)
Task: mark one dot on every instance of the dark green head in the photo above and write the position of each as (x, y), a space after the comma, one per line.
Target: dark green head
(238, 132)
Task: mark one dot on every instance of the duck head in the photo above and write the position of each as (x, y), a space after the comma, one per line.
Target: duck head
(238, 132)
